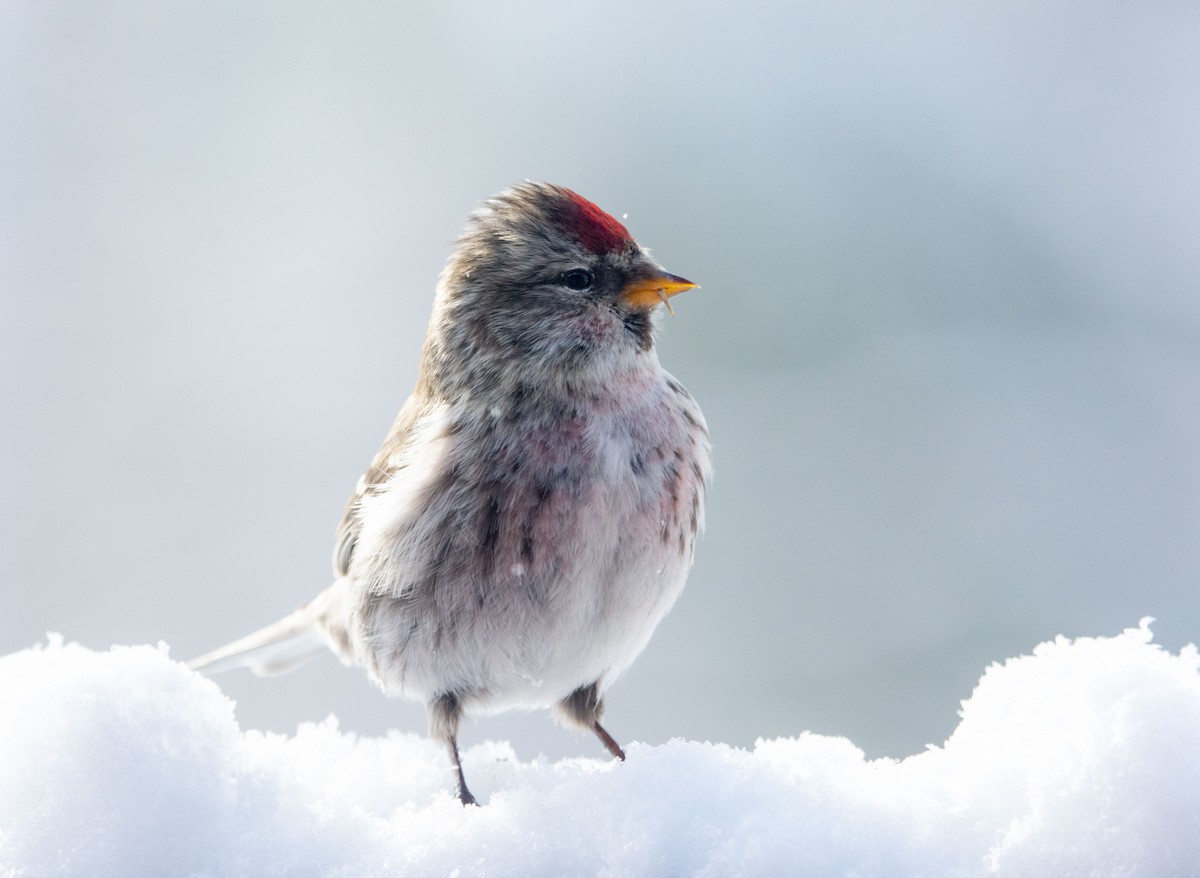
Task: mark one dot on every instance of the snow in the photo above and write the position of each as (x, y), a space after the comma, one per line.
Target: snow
(1080, 759)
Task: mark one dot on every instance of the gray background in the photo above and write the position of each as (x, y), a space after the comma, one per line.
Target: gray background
(948, 340)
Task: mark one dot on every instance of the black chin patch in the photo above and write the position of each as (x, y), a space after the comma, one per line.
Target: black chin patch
(637, 324)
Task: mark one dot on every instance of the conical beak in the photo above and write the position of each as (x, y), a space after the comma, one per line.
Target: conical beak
(649, 291)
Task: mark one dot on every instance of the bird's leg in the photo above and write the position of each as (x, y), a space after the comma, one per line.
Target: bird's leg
(583, 708)
(460, 782)
(444, 713)
(608, 741)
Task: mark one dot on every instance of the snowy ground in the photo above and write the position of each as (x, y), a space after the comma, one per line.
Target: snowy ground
(1081, 759)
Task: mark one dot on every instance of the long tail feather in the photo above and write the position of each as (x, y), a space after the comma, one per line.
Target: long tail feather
(275, 649)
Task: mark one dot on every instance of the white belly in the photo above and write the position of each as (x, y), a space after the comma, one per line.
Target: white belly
(512, 564)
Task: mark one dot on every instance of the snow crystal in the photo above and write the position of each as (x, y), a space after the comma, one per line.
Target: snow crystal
(1082, 758)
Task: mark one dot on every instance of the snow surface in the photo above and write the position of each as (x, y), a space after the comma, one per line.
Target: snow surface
(1081, 759)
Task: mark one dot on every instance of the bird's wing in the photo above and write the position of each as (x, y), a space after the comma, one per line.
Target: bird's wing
(387, 461)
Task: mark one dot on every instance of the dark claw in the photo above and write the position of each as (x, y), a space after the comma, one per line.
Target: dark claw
(464, 794)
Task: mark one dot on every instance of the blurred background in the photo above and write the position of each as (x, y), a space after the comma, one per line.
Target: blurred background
(948, 341)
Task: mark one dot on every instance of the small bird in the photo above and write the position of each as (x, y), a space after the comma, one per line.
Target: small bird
(532, 514)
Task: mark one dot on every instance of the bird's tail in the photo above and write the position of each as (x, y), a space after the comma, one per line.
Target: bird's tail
(278, 648)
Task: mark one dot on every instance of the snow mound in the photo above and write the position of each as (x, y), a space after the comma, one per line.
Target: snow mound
(1081, 759)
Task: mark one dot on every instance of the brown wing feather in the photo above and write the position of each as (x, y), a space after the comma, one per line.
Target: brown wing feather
(387, 460)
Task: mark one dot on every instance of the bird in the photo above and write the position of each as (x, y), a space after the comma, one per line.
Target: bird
(532, 514)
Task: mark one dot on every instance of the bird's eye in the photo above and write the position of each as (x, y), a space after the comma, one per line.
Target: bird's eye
(577, 279)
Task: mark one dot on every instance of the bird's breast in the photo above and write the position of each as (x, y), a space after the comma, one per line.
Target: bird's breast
(546, 545)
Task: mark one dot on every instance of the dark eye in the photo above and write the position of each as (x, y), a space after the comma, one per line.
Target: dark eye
(577, 279)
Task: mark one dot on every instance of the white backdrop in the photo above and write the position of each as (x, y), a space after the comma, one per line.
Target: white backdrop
(948, 340)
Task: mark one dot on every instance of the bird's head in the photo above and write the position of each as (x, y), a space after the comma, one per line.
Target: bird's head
(543, 281)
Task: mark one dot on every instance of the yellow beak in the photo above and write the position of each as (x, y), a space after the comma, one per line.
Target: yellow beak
(648, 292)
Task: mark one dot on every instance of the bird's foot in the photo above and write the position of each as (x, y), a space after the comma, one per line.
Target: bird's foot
(464, 795)
(608, 741)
